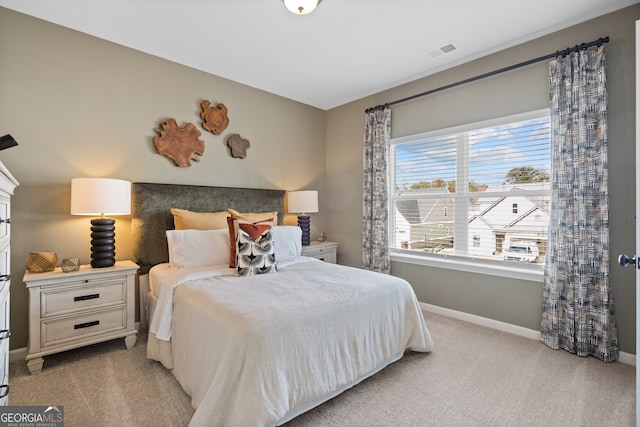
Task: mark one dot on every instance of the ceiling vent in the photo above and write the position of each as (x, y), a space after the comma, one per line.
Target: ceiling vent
(447, 48)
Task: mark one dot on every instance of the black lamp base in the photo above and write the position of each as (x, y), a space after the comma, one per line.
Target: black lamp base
(304, 222)
(103, 242)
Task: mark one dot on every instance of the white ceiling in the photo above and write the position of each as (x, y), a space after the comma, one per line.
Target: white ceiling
(343, 51)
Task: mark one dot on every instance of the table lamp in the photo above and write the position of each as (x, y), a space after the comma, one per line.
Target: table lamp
(101, 197)
(303, 202)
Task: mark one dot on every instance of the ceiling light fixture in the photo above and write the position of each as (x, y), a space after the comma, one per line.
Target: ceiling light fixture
(301, 7)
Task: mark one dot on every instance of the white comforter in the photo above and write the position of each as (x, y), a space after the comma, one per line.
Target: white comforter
(253, 351)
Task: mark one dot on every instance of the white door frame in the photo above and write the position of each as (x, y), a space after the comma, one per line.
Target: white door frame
(637, 249)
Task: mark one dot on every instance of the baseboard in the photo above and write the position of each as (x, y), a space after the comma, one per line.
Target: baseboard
(626, 358)
(18, 354)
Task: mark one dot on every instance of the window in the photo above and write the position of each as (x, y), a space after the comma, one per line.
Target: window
(485, 185)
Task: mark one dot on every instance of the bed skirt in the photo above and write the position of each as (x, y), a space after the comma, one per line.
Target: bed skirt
(159, 350)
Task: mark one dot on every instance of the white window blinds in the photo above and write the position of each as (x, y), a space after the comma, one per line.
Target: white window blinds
(479, 190)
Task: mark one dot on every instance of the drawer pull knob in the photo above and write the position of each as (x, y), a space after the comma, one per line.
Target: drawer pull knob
(6, 221)
(86, 297)
(4, 334)
(86, 325)
(6, 390)
(5, 277)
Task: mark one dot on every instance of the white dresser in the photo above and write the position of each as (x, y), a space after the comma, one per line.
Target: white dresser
(71, 310)
(7, 184)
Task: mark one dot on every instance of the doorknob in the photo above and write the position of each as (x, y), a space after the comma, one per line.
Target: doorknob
(624, 260)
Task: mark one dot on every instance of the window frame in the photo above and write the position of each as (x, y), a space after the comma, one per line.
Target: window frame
(463, 263)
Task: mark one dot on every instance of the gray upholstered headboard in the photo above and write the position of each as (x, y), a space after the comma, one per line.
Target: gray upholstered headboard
(151, 212)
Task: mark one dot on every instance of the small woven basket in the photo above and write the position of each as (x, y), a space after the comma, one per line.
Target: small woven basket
(41, 262)
(70, 264)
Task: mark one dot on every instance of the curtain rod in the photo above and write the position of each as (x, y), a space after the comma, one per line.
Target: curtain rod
(557, 53)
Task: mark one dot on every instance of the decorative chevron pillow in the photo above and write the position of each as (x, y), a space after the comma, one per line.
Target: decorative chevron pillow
(232, 223)
(254, 249)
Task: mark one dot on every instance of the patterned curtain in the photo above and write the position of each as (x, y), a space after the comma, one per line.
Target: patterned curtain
(375, 215)
(578, 313)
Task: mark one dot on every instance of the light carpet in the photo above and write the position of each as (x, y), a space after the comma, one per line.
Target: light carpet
(475, 377)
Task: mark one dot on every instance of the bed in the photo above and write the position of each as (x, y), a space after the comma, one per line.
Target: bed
(260, 349)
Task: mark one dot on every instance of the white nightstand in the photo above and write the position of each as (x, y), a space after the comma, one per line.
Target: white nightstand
(325, 251)
(71, 310)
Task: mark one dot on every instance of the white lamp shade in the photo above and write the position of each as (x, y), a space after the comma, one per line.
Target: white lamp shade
(301, 7)
(100, 196)
(302, 201)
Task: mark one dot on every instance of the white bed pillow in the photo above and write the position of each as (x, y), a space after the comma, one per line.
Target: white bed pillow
(287, 241)
(198, 248)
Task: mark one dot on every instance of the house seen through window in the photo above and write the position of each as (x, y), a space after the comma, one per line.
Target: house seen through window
(479, 191)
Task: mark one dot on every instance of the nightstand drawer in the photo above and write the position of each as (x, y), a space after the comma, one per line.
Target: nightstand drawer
(58, 330)
(317, 252)
(82, 295)
(324, 251)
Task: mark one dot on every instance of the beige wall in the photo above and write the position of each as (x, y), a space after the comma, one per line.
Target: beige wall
(79, 107)
(508, 300)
